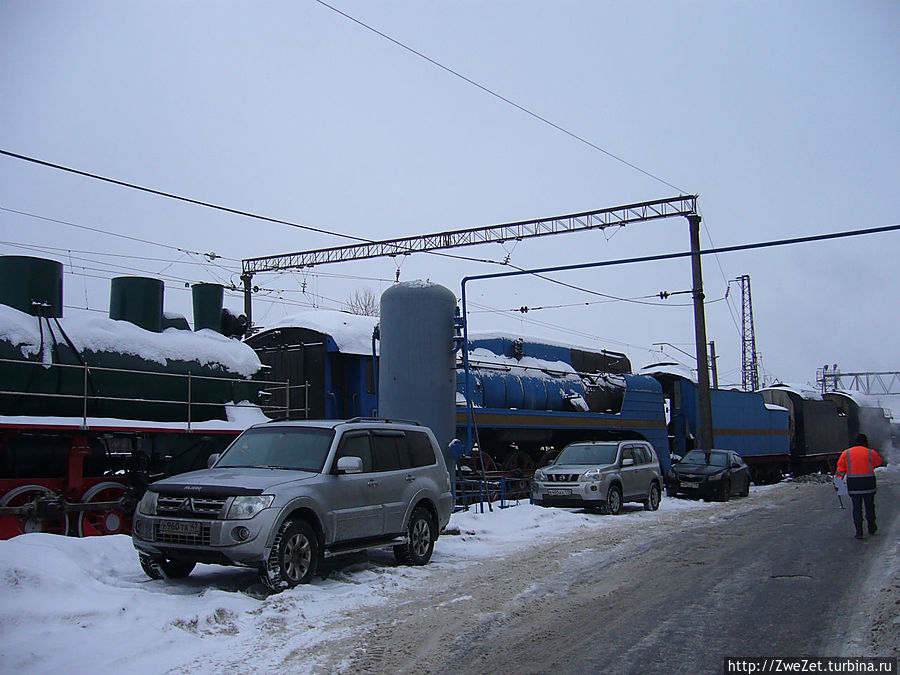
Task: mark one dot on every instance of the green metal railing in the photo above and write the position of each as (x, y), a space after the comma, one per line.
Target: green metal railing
(86, 397)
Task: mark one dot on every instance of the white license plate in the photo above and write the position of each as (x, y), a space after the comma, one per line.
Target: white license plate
(178, 527)
(688, 484)
(559, 492)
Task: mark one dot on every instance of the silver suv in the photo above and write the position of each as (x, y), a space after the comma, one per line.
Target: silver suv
(284, 495)
(600, 474)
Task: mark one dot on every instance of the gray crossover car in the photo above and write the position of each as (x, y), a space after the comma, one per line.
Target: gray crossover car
(601, 474)
(284, 495)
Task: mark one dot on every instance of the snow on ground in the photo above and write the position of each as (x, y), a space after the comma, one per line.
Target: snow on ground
(85, 606)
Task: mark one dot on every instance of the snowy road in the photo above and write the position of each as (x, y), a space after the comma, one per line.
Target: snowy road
(778, 574)
(540, 589)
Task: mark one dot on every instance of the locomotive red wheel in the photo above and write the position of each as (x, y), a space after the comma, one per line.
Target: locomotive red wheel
(474, 460)
(520, 461)
(110, 521)
(12, 526)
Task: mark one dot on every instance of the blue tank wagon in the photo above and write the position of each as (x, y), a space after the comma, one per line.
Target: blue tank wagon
(531, 398)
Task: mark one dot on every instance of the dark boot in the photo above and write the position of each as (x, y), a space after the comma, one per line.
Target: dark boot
(859, 531)
(873, 528)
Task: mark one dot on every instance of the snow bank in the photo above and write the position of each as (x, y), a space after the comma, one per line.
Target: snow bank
(85, 606)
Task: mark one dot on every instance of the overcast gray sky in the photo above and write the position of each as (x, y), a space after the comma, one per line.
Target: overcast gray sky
(781, 116)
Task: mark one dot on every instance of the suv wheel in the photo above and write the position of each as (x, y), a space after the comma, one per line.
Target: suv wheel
(420, 536)
(294, 557)
(613, 501)
(160, 568)
(652, 501)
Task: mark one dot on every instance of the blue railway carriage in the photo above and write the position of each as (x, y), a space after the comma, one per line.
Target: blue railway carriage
(327, 358)
(742, 422)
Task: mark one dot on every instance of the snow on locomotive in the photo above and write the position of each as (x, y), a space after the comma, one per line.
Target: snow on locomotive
(531, 397)
(93, 408)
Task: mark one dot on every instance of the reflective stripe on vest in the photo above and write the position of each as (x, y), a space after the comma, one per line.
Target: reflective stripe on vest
(860, 484)
(850, 468)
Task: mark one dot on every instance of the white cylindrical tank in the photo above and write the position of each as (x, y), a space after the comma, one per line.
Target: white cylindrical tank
(417, 366)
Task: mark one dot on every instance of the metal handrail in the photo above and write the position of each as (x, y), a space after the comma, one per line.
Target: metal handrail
(190, 377)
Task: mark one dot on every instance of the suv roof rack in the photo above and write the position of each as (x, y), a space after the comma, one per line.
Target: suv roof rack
(388, 420)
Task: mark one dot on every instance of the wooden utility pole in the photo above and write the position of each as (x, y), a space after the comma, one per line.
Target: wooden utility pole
(706, 426)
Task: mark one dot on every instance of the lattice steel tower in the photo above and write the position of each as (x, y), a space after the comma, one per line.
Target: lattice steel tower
(749, 362)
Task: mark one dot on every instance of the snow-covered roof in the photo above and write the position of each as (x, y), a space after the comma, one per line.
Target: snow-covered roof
(102, 334)
(802, 390)
(351, 333)
(535, 367)
(508, 335)
(669, 368)
(861, 399)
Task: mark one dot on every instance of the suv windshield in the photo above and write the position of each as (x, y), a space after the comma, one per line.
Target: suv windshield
(710, 458)
(588, 453)
(297, 448)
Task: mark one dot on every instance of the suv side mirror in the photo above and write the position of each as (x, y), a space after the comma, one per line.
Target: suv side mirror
(212, 459)
(349, 465)
(628, 461)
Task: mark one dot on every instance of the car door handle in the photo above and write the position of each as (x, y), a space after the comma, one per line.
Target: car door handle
(410, 478)
(372, 482)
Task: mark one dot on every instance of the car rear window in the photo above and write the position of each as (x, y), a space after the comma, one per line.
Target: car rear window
(421, 452)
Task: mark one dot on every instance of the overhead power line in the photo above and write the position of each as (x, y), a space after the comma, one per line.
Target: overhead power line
(170, 195)
(491, 92)
(217, 207)
(107, 232)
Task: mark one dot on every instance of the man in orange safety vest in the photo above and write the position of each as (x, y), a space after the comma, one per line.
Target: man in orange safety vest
(858, 464)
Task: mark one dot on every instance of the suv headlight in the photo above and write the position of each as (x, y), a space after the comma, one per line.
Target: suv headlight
(540, 474)
(592, 474)
(147, 505)
(246, 507)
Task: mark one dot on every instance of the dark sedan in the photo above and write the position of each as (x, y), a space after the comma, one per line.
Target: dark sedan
(711, 474)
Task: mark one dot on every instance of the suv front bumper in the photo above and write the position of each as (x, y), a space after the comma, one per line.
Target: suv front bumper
(240, 542)
(582, 493)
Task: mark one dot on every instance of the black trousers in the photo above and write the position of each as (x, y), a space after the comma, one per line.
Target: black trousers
(858, 501)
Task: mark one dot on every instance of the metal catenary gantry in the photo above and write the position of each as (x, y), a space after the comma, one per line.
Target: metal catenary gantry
(684, 205)
(575, 222)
